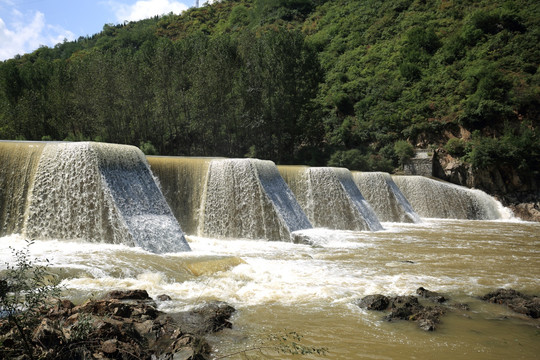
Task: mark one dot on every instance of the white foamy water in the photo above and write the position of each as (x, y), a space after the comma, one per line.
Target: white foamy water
(450, 256)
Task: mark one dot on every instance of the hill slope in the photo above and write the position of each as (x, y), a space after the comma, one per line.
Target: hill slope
(345, 83)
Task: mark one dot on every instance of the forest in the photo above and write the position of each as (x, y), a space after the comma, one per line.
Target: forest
(347, 83)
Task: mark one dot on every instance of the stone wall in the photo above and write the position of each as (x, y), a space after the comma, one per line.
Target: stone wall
(420, 164)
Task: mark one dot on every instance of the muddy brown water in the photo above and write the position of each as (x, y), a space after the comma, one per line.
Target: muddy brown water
(278, 287)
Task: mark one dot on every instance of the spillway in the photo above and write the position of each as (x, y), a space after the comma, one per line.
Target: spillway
(229, 198)
(90, 191)
(183, 182)
(330, 198)
(18, 163)
(437, 199)
(385, 198)
(247, 198)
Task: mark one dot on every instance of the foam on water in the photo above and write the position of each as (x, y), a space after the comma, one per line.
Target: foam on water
(341, 267)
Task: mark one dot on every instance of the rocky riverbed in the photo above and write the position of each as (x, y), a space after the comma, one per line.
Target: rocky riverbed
(121, 325)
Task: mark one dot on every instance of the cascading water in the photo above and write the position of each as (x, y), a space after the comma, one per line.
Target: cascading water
(99, 193)
(18, 163)
(383, 194)
(330, 198)
(182, 181)
(437, 199)
(247, 198)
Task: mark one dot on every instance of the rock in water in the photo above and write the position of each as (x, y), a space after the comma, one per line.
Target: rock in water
(430, 295)
(408, 308)
(207, 318)
(374, 302)
(520, 303)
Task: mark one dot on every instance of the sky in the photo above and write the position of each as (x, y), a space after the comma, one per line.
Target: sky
(25, 25)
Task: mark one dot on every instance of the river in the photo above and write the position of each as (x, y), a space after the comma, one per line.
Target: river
(312, 289)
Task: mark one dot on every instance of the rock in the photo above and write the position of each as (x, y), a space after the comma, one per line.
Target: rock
(527, 211)
(304, 239)
(96, 307)
(518, 302)
(428, 317)
(164, 297)
(461, 306)
(374, 302)
(184, 354)
(208, 318)
(408, 308)
(120, 326)
(430, 295)
(109, 346)
(48, 334)
(127, 295)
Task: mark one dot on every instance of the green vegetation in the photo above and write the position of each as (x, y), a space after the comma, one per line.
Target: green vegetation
(26, 290)
(344, 83)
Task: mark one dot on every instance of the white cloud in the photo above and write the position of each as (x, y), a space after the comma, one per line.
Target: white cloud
(144, 9)
(20, 37)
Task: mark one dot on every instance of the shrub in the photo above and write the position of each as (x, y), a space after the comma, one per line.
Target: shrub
(404, 151)
(455, 147)
(147, 148)
(350, 159)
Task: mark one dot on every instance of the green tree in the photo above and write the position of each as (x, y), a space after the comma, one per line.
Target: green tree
(404, 151)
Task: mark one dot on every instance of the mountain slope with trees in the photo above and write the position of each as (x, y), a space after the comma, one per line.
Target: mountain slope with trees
(342, 83)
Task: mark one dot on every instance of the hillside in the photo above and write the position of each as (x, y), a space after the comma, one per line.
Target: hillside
(343, 83)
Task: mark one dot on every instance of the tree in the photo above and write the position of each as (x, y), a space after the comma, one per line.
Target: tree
(404, 151)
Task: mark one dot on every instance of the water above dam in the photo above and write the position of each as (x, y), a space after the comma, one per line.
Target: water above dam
(312, 289)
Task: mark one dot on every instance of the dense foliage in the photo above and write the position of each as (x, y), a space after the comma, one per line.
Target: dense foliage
(346, 83)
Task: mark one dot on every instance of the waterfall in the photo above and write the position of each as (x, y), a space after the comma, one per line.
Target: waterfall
(383, 194)
(98, 193)
(247, 198)
(183, 181)
(330, 198)
(18, 163)
(437, 199)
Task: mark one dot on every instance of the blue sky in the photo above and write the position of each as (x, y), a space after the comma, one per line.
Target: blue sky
(26, 25)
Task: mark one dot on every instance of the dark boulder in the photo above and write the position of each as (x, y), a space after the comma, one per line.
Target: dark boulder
(430, 295)
(518, 302)
(48, 334)
(207, 318)
(376, 302)
(409, 308)
(164, 297)
(127, 295)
